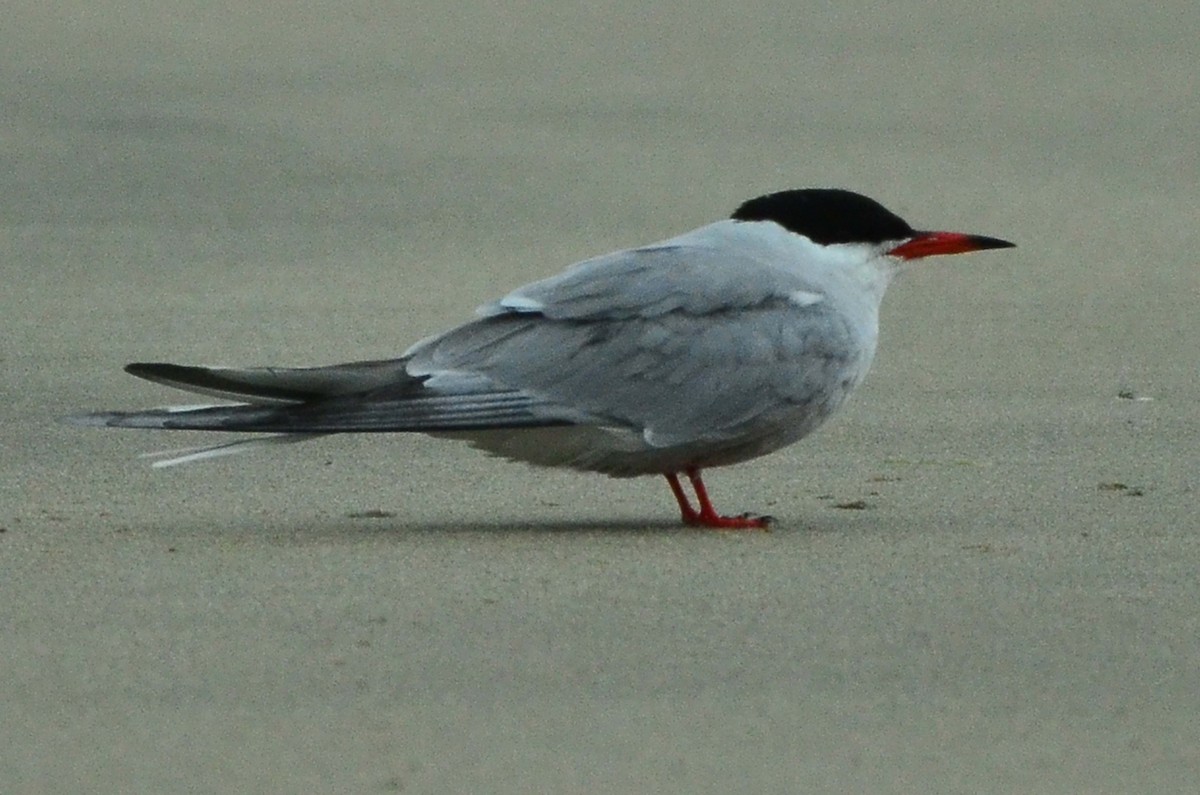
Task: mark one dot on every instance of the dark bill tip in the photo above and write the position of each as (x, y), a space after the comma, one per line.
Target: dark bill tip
(982, 242)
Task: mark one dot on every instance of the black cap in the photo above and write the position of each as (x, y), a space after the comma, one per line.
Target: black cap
(827, 215)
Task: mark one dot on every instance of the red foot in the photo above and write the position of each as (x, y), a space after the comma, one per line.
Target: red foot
(718, 522)
(707, 516)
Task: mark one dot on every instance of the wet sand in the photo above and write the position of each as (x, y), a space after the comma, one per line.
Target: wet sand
(1009, 607)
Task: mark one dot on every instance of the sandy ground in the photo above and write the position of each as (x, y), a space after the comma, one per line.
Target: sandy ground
(1015, 609)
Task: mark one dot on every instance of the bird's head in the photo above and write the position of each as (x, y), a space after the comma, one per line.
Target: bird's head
(830, 216)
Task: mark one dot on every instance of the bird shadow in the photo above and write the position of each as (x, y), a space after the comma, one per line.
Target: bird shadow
(397, 526)
(378, 525)
(351, 527)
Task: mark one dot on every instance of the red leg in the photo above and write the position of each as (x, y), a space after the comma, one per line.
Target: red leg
(689, 514)
(707, 516)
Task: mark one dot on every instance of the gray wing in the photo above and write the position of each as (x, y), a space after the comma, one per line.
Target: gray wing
(673, 276)
(676, 343)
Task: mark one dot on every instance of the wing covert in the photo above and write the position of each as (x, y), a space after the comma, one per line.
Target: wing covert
(677, 377)
(696, 274)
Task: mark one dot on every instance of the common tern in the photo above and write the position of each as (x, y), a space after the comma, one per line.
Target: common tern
(720, 345)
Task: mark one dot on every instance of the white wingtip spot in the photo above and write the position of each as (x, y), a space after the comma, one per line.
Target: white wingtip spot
(513, 303)
(192, 407)
(805, 298)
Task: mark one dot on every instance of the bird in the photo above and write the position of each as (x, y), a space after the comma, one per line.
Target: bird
(704, 350)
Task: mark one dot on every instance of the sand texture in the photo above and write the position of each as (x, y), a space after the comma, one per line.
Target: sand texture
(1006, 599)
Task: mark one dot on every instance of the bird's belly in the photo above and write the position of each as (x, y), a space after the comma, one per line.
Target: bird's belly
(619, 452)
(624, 452)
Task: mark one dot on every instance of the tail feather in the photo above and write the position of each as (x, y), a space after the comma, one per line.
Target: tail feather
(294, 405)
(351, 414)
(204, 417)
(188, 455)
(276, 385)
